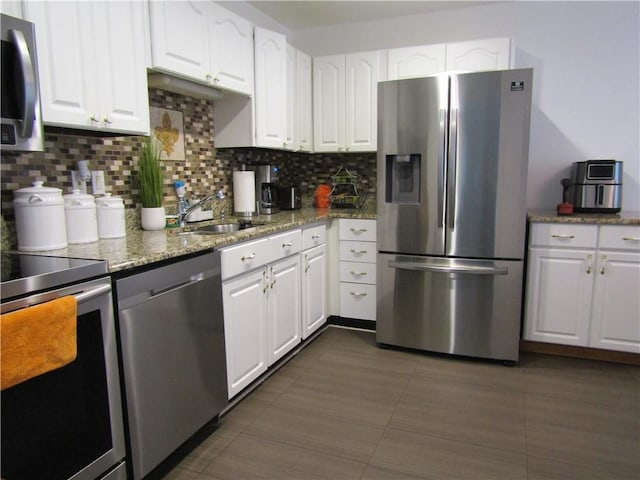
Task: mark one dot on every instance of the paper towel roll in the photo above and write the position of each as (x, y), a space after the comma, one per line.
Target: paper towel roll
(244, 192)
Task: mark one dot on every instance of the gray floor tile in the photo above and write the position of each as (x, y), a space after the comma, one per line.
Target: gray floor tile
(251, 457)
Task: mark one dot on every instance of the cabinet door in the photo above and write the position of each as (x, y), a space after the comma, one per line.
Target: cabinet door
(420, 61)
(616, 302)
(329, 103)
(490, 54)
(180, 39)
(66, 62)
(314, 290)
(284, 294)
(271, 88)
(245, 328)
(304, 102)
(121, 70)
(231, 50)
(291, 140)
(558, 301)
(361, 100)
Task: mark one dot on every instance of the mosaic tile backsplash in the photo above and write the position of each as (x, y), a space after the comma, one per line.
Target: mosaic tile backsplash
(204, 169)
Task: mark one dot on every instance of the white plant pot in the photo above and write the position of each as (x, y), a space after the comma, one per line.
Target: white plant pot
(152, 218)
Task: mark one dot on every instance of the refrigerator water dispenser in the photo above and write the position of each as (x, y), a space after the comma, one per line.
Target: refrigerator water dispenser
(403, 179)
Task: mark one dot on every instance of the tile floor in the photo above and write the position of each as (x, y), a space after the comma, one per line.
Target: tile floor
(345, 409)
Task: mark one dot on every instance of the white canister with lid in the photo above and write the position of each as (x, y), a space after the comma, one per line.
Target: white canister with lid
(111, 222)
(81, 219)
(40, 220)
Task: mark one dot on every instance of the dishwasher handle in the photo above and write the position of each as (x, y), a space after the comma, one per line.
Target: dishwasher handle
(155, 292)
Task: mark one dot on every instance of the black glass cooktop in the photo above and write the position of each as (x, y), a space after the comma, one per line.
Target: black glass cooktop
(24, 274)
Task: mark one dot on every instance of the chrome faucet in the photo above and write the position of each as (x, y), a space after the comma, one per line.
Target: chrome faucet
(220, 196)
(184, 212)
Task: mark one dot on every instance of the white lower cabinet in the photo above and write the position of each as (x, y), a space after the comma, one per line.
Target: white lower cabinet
(357, 269)
(261, 294)
(245, 329)
(314, 290)
(582, 286)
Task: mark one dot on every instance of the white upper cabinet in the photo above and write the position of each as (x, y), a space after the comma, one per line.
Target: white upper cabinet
(271, 88)
(424, 60)
(329, 103)
(345, 89)
(202, 41)
(12, 8)
(299, 101)
(420, 61)
(90, 76)
(489, 54)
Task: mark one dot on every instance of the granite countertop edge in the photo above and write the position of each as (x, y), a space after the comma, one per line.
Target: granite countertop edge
(550, 216)
(140, 248)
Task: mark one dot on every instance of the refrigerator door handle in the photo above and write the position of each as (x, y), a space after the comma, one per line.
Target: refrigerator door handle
(453, 161)
(461, 268)
(442, 165)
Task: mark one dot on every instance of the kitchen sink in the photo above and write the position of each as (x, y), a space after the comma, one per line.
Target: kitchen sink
(217, 228)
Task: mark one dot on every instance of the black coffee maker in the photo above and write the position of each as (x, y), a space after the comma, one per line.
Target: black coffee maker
(267, 189)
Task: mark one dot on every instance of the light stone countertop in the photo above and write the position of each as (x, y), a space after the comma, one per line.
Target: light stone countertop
(550, 216)
(140, 248)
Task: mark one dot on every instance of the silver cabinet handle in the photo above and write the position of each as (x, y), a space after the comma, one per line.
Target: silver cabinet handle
(589, 263)
(604, 264)
(248, 257)
(631, 239)
(315, 237)
(555, 235)
(358, 230)
(93, 118)
(358, 294)
(107, 120)
(358, 252)
(287, 244)
(357, 274)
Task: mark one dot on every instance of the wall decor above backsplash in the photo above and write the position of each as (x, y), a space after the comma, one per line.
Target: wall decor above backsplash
(204, 169)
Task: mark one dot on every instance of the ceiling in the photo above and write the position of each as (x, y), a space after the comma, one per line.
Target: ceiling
(299, 15)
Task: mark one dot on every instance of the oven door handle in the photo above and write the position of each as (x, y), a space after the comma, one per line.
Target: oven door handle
(93, 293)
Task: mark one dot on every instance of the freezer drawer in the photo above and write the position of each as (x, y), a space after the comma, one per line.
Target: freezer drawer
(458, 306)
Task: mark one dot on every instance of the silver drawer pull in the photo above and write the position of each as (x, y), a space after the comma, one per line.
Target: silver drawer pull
(287, 244)
(358, 294)
(358, 252)
(358, 230)
(555, 235)
(315, 237)
(358, 274)
(631, 239)
(248, 257)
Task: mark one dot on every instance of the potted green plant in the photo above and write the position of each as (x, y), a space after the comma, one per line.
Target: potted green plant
(151, 178)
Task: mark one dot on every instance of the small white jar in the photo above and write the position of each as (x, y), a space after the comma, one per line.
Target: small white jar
(111, 221)
(81, 217)
(40, 220)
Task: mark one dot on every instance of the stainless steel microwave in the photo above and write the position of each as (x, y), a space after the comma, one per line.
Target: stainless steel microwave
(21, 115)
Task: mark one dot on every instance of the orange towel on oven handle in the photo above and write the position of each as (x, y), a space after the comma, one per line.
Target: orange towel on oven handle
(37, 340)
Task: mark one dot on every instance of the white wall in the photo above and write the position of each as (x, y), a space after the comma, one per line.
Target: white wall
(586, 59)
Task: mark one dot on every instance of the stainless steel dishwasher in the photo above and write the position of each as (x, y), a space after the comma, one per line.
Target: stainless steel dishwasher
(172, 342)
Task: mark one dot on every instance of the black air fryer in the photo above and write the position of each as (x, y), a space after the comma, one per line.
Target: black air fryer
(597, 186)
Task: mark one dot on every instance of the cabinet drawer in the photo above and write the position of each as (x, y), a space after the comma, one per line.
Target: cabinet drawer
(244, 257)
(624, 237)
(314, 236)
(358, 272)
(358, 300)
(358, 251)
(364, 230)
(563, 235)
(285, 244)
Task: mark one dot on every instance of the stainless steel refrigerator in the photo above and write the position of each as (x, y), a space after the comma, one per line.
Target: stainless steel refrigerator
(452, 167)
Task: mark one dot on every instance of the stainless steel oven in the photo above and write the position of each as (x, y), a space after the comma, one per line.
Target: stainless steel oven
(65, 424)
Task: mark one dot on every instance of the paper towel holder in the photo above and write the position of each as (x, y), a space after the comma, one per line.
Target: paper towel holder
(244, 192)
